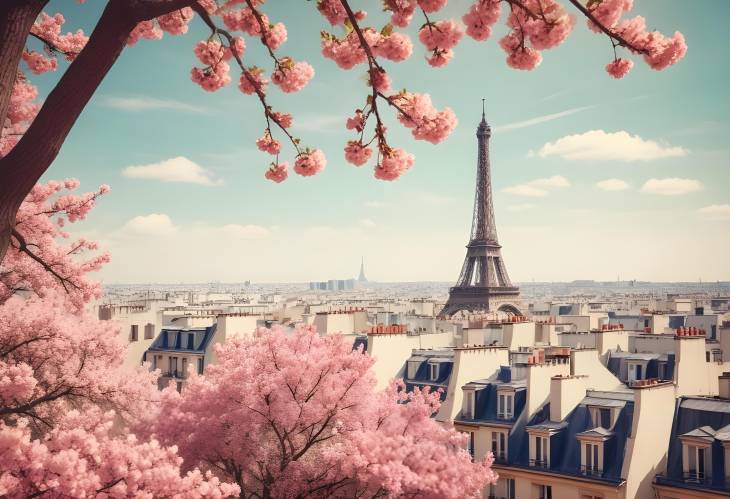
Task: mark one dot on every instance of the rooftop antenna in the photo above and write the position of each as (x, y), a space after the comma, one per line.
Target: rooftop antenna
(483, 117)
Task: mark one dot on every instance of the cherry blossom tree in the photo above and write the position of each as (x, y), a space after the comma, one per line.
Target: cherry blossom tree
(297, 415)
(32, 133)
(65, 401)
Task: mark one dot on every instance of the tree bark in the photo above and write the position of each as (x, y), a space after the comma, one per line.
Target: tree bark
(39, 146)
(16, 19)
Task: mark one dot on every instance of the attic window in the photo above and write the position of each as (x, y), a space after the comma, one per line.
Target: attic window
(434, 372)
(505, 405)
(696, 462)
(602, 417)
(413, 368)
(591, 458)
(469, 402)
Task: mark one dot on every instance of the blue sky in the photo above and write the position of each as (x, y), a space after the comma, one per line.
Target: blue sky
(242, 226)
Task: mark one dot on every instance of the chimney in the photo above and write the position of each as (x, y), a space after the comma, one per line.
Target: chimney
(566, 392)
(723, 385)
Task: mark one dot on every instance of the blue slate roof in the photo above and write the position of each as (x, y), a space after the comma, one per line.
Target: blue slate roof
(617, 364)
(698, 417)
(485, 401)
(422, 377)
(171, 339)
(564, 444)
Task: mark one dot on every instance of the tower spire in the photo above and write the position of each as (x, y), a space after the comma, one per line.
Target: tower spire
(483, 116)
(361, 277)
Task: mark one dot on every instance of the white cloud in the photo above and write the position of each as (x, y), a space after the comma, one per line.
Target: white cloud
(554, 182)
(246, 231)
(179, 169)
(600, 145)
(520, 207)
(152, 224)
(142, 103)
(373, 204)
(671, 186)
(539, 119)
(321, 123)
(538, 187)
(369, 223)
(715, 211)
(612, 184)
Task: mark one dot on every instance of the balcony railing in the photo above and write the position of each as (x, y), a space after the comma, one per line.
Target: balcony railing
(539, 463)
(504, 415)
(695, 477)
(591, 470)
(174, 373)
(499, 457)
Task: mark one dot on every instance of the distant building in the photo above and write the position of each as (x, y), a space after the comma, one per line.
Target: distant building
(333, 285)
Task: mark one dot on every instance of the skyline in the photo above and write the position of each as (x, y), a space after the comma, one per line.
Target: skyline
(567, 206)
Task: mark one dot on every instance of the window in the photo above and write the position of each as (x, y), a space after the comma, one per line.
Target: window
(469, 399)
(470, 444)
(510, 488)
(133, 332)
(635, 372)
(707, 356)
(542, 491)
(662, 370)
(541, 451)
(154, 361)
(601, 416)
(413, 368)
(499, 445)
(185, 367)
(591, 458)
(505, 406)
(149, 331)
(191, 341)
(434, 372)
(695, 469)
(173, 366)
(200, 365)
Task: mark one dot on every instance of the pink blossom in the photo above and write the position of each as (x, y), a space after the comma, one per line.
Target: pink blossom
(432, 5)
(442, 35)
(252, 80)
(480, 18)
(347, 53)
(277, 172)
(402, 11)
(393, 164)
(619, 67)
(212, 79)
(275, 36)
(519, 57)
(377, 442)
(310, 163)
(394, 47)
(357, 153)
(608, 12)
(210, 52)
(379, 80)
(292, 77)
(356, 122)
(243, 20)
(176, 22)
(284, 119)
(38, 63)
(440, 58)
(145, 29)
(268, 144)
(426, 122)
(335, 13)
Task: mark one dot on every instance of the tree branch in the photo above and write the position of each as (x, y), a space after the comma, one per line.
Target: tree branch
(615, 37)
(23, 247)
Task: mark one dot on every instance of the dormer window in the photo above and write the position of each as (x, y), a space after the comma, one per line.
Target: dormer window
(505, 405)
(469, 404)
(591, 458)
(499, 445)
(697, 454)
(413, 368)
(602, 417)
(433, 372)
(540, 450)
(635, 372)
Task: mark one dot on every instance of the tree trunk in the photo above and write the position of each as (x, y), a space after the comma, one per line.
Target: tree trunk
(16, 19)
(39, 146)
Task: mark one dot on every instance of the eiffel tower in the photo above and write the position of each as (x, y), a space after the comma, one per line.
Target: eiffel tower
(483, 285)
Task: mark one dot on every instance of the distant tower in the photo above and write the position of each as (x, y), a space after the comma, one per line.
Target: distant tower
(361, 277)
(483, 284)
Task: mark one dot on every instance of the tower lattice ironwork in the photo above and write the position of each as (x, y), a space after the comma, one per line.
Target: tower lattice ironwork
(483, 285)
